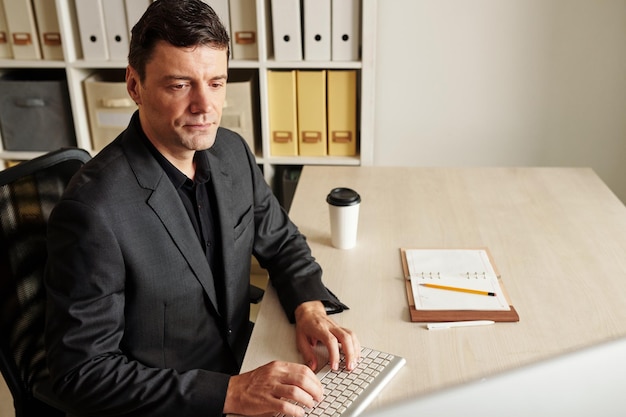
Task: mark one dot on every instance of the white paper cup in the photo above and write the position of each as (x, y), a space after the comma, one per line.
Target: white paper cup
(343, 207)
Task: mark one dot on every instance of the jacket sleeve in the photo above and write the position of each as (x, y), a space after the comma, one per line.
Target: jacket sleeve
(284, 252)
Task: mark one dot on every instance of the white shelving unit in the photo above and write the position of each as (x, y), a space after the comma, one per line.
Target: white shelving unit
(77, 69)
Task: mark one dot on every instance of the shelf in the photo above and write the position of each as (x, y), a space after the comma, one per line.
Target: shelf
(313, 160)
(330, 65)
(21, 63)
(77, 69)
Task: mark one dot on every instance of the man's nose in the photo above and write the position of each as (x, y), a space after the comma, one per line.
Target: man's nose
(202, 100)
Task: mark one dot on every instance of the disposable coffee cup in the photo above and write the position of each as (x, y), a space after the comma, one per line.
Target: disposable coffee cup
(343, 207)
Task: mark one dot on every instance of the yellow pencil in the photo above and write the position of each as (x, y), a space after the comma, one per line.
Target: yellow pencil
(468, 290)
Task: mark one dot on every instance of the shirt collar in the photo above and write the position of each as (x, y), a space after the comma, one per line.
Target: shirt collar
(203, 171)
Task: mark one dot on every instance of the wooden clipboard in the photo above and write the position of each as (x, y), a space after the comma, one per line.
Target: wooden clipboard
(455, 315)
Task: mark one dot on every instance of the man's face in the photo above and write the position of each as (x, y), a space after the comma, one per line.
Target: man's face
(181, 99)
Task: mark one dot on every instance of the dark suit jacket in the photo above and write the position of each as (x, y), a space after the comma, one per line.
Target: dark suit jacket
(134, 325)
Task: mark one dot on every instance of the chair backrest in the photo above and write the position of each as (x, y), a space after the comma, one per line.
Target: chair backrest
(28, 192)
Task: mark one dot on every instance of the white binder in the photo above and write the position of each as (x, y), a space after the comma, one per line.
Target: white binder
(49, 33)
(346, 31)
(287, 33)
(222, 10)
(5, 46)
(116, 29)
(243, 29)
(22, 29)
(317, 18)
(134, 10)
(92, 30)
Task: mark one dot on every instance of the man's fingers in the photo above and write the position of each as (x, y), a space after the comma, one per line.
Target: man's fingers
(294, 394)
(341, 340)
(307, 350)
(273, 388)
(350, 346)
(334, 356)
(312, 323)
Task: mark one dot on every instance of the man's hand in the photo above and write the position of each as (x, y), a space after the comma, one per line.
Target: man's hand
(313, 325)
(266, 389)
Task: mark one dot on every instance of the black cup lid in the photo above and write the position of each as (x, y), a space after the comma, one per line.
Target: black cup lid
(342, 196)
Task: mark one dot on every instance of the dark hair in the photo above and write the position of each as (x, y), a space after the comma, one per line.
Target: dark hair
(182, 23)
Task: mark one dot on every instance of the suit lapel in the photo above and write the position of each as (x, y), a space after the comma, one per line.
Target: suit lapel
(170, 210)
(174, 217)
(222, 185)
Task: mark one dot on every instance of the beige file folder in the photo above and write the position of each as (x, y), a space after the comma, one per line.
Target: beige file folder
(243, 29)
(5, 46)
(282, 113)
(312, 131)
(342, 106)
(22, 29)
(49, 33)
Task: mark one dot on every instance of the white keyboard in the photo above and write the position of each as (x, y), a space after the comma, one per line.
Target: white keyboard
(347, 394)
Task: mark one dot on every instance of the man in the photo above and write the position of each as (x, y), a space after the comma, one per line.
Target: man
(149, 250)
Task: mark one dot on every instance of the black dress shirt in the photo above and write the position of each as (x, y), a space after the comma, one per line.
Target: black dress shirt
(198, 197)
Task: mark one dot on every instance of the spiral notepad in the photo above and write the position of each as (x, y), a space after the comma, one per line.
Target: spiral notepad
(470, 269)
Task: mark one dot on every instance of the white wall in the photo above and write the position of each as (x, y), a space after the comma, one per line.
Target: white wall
(503, 82)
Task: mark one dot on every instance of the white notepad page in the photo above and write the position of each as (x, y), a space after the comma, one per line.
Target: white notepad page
(462, 268)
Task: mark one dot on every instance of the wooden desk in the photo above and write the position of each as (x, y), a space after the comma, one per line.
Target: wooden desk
(557, 235)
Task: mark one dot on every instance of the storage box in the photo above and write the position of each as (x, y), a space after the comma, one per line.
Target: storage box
(35, 111)
(240, 110)
(109, 106)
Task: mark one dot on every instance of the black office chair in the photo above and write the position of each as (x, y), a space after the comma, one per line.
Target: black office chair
(28, 192)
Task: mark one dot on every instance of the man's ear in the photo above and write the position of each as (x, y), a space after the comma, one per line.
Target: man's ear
(133, 84)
